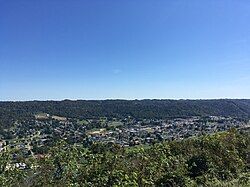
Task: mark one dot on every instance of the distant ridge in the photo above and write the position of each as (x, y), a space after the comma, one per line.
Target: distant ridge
(147, 108)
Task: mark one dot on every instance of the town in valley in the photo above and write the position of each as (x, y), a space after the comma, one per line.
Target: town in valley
(34, 137)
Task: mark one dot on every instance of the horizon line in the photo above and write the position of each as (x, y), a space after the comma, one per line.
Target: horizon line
(124, 99)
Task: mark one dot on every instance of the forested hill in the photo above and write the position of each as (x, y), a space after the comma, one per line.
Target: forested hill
(123, 108)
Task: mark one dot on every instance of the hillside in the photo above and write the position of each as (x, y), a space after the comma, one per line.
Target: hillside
(10, 111)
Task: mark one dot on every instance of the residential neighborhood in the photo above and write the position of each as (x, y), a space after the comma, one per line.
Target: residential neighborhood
(34, 137)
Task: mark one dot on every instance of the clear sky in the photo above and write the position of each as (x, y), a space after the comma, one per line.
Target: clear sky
(126, 49)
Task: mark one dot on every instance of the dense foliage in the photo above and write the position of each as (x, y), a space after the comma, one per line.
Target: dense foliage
(146, 109)
(221, 159)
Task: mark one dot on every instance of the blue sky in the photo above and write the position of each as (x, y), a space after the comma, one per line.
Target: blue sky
(133, 49)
